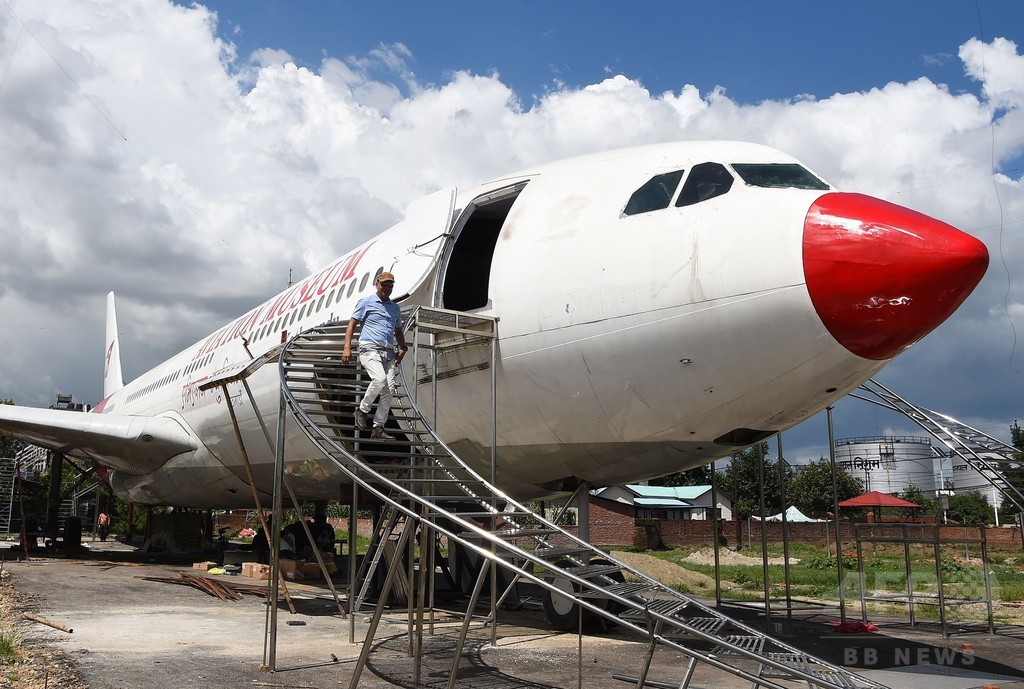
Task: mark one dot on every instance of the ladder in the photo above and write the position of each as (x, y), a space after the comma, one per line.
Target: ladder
(7, 483)
(419, 477)
(387, 530)
(990, 457)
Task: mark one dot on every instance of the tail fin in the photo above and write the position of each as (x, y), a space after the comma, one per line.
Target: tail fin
(112, 381)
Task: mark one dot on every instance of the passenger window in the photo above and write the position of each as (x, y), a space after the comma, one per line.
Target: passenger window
(654, 195)
(706, 181)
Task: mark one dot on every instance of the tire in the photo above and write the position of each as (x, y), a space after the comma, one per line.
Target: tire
(561, 609)
(73, 535)
(563, 612)
(613, 607)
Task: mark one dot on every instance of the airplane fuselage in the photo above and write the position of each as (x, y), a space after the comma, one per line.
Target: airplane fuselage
(659, 307)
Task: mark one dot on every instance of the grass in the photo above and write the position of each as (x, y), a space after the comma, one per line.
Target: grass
(815, 576)
(9, 647)
(362, 543)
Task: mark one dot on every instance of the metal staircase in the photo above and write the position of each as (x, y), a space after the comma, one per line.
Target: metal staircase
(424, 484)
(7, 483)
(990, 457)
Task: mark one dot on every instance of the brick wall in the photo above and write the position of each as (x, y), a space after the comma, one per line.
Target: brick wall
(694, 532)
(1005, 537)
(613, 523)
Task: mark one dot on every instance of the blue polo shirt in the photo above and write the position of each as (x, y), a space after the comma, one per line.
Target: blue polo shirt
(379, 319)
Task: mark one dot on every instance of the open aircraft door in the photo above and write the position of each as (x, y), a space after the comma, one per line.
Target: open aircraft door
(464, 278)
(422, 233)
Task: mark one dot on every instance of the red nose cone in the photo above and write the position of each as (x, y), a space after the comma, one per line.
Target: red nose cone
(881, 276)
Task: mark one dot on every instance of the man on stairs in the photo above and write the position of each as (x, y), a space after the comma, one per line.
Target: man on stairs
(382, 325)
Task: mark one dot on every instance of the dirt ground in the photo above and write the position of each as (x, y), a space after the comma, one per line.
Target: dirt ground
(731, 557)
(670, 573)
(41, 665)
(132, 633)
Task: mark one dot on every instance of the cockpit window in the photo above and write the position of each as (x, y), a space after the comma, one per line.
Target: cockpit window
(778, 176)
(706, 181)
(655, 194)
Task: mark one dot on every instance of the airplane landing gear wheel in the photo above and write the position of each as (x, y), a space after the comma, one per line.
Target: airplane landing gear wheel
(560, 608)
(611, 606)
(563, 612)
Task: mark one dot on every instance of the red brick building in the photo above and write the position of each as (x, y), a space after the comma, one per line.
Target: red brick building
(649, 516)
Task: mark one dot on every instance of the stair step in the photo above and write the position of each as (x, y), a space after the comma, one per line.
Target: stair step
(705, 625)
(343, 395)
(507, 516)
(382, 441)
(424, 460)
(350, 429)
(514, 533)
(329, 401)
(390, 466)
(628, 589)
(810, 666)
(732, 644)
(553, 553)
(662, 606)
(582, 571)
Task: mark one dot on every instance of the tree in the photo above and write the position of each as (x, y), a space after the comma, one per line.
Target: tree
(9, 445)
(970, 508)
(811, 488)
(697, 476)
(1013, 471)
(740, 479)
(927, 506)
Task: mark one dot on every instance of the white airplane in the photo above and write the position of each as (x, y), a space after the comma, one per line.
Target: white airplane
(659, 307)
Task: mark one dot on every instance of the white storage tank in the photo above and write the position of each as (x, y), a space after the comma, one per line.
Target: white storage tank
(889, 464)
(966, 480)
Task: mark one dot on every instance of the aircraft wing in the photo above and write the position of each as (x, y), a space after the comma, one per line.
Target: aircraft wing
(133, 444)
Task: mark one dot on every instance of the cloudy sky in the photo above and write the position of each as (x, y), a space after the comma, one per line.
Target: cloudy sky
(189, 157)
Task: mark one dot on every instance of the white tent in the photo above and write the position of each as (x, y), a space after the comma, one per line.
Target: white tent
(792, 515)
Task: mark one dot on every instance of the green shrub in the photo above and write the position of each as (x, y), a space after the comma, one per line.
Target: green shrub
(829, 562)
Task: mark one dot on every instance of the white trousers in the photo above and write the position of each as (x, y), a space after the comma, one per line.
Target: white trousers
(382, 381)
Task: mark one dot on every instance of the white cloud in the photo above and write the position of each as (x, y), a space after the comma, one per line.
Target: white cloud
(999, 66)
(235, 171)
(265, 57)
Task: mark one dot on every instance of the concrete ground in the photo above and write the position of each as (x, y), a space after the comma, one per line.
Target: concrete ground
(131, 632)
